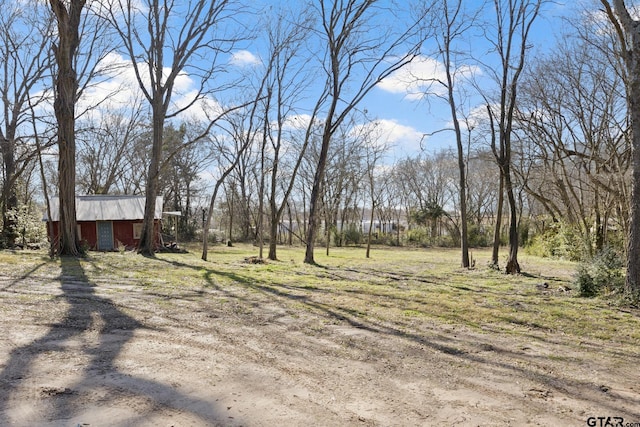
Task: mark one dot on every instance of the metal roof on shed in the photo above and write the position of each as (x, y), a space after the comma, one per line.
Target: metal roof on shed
(107, 208)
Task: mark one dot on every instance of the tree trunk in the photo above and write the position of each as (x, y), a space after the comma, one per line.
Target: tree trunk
(147, 238)
(290, 226)
(464, 234)
(632, 280)
(370, 230)
(498, 226)
(260, 219)
(231, 214)
(512, 267)
(64, 106)
(315, 195)
(273, 231)
(628, 31)
(9, 197)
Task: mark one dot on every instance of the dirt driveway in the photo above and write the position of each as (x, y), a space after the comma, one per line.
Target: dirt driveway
(76, 351)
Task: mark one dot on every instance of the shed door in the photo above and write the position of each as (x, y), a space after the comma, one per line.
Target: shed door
(105, 235)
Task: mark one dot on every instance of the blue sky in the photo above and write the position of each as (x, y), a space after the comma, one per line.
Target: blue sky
(418, 117)
(408, 118)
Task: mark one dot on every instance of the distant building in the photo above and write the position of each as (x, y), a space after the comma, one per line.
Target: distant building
(107, 222)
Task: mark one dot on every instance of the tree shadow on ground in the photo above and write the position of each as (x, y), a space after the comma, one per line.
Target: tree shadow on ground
(494, 359)
(499, 359)
(90, 314)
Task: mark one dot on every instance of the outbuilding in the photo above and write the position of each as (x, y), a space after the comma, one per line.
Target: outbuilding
(106, 223)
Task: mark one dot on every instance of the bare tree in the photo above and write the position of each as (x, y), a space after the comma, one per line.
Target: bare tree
(287, 83)
(162, 47)
(360, 51)
(628, 30)
(241, 128)
(83, 43)
(514, 19)
(482, 192)
(24, 36)
(374, 150)
(390, 204)
(66, 83)
(103, 150)
(453, 22)
(180, 175)
(572, 125)
(345, 172)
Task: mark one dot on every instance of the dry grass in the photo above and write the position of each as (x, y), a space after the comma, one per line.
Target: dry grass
(401, 289)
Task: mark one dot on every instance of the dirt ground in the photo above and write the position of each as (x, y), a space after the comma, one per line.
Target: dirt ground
(75, 352)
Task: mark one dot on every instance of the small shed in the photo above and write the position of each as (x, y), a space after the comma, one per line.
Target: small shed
(106, 222)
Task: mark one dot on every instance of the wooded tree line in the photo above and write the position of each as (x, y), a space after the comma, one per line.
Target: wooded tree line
(150, 97)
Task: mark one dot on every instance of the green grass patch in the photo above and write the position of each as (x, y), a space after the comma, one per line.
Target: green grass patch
(397, 289)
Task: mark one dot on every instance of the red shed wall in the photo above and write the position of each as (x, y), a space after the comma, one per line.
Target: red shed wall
(88, 234)
(122, 232)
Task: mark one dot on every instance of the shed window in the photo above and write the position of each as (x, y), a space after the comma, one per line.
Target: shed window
(137, 230)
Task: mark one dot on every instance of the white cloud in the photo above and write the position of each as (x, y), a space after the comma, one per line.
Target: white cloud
(415, 78)
(406, 138)
(476, 117)
(244, 58)
(118, 88)
(421, 77)
(296, 122)
(203, 110)
(391, 133)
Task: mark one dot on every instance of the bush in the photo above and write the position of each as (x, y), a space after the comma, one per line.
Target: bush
(352, 235)
(447, 241)
(29, 227)
(601, 275)
(388, 239)
(479, 236)
(558, 241)
(418, 237)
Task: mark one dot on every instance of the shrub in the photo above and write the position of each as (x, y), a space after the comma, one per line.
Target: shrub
(558, 241)
(29, 227)
(600, 275)
(352, 235)
(447, 241)
(418, 237)
(478, 236)
(388, 239)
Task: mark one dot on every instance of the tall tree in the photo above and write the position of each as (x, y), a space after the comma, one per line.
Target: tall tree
(628, 30)
(288, 82)
(510, 40)
(165, 39)
(360, 51)
(453, 22)
(345, 173)
(572, 120)
(66, 89)
(181, 178)
(375, 149)
(241, 126)
(24, 35)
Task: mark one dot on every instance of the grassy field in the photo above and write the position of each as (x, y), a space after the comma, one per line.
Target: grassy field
(395, 287)
(406, 337)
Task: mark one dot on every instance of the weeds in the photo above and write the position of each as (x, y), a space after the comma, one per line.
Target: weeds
(601, 275)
